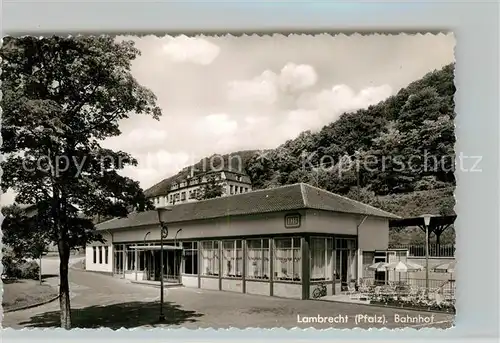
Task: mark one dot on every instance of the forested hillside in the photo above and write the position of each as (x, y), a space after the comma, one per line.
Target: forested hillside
(401, 145)
(397, 155)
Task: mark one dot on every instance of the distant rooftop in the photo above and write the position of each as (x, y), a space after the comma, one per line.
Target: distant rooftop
(164, 186)
(287, 198)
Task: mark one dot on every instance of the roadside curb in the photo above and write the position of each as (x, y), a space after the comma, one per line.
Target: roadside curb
(39, 303)
(156, 286)
(32, 305)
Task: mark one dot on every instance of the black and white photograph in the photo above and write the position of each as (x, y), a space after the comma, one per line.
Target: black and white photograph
(229, 181)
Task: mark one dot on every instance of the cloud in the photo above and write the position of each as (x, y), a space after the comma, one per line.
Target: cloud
(217, 124)
(191, 49)
(155, 166)
(267, 87)
(297, 120)
(295, 77)
(261, 89)
(341, 98)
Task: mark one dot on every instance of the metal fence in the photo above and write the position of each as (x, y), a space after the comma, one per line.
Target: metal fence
(444, 287)
(435, 250)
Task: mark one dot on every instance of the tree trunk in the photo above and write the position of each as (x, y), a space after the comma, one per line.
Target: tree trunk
(438, 243)
(64, 301)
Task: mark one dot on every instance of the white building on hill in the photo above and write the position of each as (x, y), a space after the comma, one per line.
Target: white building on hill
(169, 192)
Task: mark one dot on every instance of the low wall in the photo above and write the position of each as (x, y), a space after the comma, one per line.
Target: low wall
(232, 285)
(258, 287)
(189, 281)
(287, 290)
(433, 261)
(210, 283)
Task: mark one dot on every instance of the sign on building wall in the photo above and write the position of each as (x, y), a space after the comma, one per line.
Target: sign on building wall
(292, 220)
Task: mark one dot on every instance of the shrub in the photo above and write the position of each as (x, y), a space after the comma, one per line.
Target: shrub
(10, 265)
(19, 269)
(29, 270)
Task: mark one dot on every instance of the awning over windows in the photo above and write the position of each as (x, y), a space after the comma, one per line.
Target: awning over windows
(154, 247)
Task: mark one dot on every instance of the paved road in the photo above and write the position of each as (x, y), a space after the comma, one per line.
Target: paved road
(99, 300)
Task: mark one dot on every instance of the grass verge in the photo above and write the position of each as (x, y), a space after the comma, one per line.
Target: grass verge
(18, 294)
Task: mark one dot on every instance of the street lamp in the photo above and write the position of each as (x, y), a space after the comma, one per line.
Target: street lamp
(427, 221)
(175, 238)
(147, 266)
(146, 235)
(163, 235)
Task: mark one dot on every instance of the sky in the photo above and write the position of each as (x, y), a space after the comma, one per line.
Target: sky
(225, 93)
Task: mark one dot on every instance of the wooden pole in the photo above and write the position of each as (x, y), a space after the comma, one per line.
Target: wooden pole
(40, 270)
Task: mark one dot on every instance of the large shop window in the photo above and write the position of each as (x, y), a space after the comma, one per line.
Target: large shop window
(210, 258)
(345, 267)
(232, 263)
(287, 259)
(142, 255)
(321, 250)
(190, 258)
(258, 262)
(130, 258)
(118, 259)
(368, 259)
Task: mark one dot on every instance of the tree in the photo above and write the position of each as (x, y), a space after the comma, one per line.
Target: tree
(24, 234)
(61, 98)
(213, 188)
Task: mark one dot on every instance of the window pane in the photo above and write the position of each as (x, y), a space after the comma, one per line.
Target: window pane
(258, 262)
(228, 245)
(190, 259)
(210, 258)
(338, 257)
(142, 258)
(239, 259)
(330, 243)
(287, 260)
(318, 259)
(130, 260)
(265, 242)
(232, 263)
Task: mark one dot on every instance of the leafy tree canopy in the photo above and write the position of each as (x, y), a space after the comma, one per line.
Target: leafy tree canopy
(61, 98)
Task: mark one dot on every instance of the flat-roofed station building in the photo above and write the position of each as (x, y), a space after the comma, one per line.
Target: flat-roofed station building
(281, 242)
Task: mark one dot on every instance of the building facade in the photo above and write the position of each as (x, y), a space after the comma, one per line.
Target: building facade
(189, 189)
(283, 242)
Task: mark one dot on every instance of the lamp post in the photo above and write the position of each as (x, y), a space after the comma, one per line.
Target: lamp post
(175, 238)
(427, 221)
(163, 235)
(146, 268)
(145, 236)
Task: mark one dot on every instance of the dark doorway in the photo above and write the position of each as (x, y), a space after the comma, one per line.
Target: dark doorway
(171, 265)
